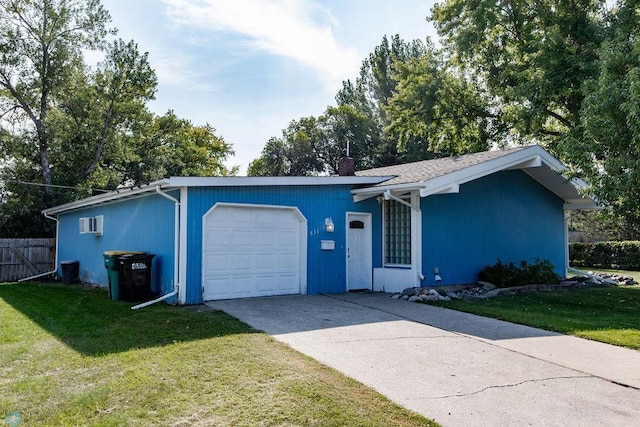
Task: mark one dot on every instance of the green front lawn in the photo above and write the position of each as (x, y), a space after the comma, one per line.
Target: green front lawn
(69, 356)
(610, 314)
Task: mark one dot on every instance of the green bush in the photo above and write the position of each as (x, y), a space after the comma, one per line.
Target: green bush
(506, 275)
(615, 255)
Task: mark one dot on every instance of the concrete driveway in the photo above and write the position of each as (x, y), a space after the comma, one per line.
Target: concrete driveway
(457, 368)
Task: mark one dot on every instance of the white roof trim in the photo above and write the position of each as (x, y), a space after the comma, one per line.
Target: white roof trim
(260, 181)
(242, 181)
(126, 193)
(530, 158)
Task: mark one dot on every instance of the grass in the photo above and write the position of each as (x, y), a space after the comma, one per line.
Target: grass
(608, 314)
(69, 356)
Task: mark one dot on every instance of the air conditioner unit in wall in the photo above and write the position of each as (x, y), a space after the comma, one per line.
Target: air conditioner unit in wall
(92, 225)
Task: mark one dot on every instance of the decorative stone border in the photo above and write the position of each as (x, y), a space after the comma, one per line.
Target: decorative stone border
(487, 290)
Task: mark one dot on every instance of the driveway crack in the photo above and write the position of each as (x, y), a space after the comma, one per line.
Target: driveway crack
(570, 377)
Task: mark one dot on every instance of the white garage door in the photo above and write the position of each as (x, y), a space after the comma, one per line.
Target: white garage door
(251, 251)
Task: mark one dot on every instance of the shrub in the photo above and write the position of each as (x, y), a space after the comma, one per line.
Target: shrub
(616, 255)
(505, 275)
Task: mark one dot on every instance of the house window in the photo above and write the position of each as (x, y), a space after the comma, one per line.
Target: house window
(397, 233)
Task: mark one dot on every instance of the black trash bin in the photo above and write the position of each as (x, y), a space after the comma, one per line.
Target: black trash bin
(136, 272)
(114, 271)
(70, 271)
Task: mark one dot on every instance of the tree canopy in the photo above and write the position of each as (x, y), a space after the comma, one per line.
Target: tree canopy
(67, 127)
(563, 74)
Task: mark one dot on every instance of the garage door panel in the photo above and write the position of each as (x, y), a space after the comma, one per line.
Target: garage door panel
(265, 262)
(239, 216)
(242, 238)
(267, 217)
(288, 261)
(216, 263)
(266, 238)
(252, 251)
(288, 283)
(266, 284)
(241, 263)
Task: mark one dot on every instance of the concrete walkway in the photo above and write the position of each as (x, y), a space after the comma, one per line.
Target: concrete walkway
(460, 369)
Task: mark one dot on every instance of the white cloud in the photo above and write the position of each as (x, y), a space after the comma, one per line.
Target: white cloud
(296, 29)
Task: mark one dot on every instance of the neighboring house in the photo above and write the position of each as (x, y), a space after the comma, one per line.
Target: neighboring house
(384, 229)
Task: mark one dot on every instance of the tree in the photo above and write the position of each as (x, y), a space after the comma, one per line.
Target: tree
(175, 147)
(563, 74)
(272, 160)
(608, 150)
(41, 43)
(436, 107)
(300, 152)
(533, 57)
(371, 92)
(101, 117)
(68, 130)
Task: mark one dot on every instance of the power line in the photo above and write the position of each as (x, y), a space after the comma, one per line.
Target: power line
(37, 184)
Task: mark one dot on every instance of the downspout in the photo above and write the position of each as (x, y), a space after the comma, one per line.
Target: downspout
(176, 252)
(55, 265)
(567, 267)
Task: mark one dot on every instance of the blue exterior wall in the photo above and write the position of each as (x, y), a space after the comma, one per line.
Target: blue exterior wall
(142, 224)
(325, 269)
(506, 215)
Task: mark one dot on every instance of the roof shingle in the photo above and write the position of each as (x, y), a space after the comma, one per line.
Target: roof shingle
(429, 169)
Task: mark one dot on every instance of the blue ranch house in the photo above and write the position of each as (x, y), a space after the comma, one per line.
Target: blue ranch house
(382, 229)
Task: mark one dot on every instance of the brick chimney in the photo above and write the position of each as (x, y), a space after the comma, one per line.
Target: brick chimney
(347, 166)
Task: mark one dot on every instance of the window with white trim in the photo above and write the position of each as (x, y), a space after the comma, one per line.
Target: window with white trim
(397, 233)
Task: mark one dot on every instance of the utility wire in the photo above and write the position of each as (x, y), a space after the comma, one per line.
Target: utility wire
(37, 184)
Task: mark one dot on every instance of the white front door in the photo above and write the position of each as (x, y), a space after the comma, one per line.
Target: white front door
(359, 269)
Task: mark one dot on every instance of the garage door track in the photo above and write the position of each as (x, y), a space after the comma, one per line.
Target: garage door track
(457, 368)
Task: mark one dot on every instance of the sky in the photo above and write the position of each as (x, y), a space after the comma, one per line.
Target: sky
(250, 67)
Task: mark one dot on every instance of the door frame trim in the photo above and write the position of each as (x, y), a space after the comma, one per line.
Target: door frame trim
(366, 217)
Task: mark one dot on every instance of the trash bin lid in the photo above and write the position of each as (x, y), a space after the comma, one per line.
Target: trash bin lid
(69, 262)
(118, 253)
(137, 256)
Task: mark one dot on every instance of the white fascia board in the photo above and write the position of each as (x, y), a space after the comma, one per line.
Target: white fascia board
(365, 193)
(531, 157)
(453, 180)
(126, 193)
(581, 204)
(260, 181)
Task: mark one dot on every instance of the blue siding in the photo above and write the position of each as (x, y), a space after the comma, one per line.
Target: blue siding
(325, 269)
(143, 224)
(507, 216)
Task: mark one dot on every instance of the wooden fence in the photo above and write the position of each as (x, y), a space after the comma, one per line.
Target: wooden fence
(21, 258)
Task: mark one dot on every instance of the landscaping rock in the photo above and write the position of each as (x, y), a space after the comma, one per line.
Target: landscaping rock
(488, 290)
(410, 291)
(487, 286)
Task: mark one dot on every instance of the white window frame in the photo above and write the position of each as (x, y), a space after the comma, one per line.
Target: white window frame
(410, 243)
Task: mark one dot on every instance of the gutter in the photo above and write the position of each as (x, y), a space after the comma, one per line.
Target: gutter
(55, 265)
(176, 252)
